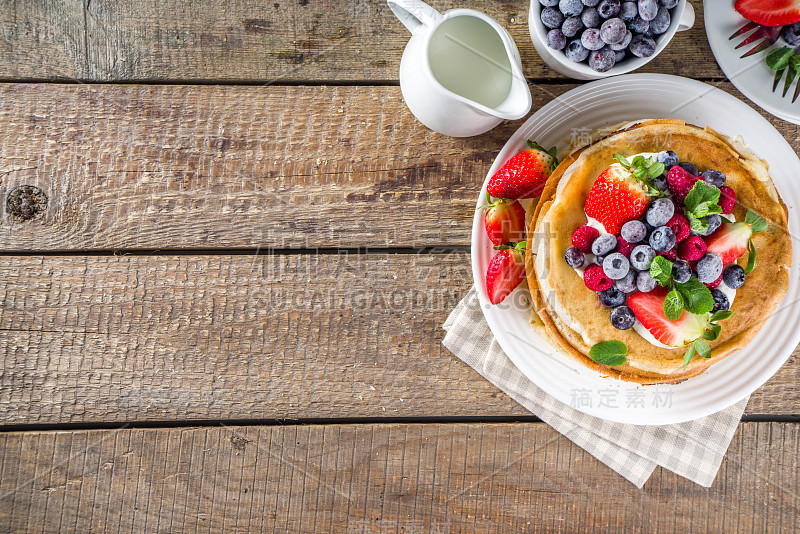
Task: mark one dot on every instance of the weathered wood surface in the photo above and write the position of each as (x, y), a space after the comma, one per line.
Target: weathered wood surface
(259, 41)
(156, 338)
(189, 167)
(379, 478)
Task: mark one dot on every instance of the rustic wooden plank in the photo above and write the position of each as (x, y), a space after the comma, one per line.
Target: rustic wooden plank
(508, 482)
(252, 40)
(177, 167)
(152, 338)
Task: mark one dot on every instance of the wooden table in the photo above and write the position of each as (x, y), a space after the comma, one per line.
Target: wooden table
(228, 317)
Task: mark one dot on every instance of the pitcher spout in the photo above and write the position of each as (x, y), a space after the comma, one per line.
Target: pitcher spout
(518, 102)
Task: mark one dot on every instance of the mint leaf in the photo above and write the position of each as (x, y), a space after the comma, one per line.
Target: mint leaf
(661, 270)
(757, 223)
(697, 225)
(712, 332)
(779, 58)
(702, 348)
(721, 315)
(656, 169)
(622, 160)
(751, 257)
(637, 160)
(688, 356)
(697, 297)
(610, 353)
(673, 305)
(702, 197)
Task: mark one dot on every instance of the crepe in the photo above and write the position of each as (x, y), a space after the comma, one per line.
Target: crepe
(571, 314)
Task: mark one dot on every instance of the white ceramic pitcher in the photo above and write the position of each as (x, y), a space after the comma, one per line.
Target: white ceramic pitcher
(461, 73)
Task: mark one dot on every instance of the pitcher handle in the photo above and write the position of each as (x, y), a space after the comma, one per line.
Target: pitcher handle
(414, 14)
(687, 18)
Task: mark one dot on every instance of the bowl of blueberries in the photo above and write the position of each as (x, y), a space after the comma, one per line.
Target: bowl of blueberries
(593, 39)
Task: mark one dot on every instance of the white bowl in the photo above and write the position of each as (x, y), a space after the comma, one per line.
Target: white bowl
(682, 19)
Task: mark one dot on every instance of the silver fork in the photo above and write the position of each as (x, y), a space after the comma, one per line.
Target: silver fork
(791, 75)
(766, 34)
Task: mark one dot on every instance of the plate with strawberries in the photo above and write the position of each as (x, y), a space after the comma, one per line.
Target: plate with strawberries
(654, 254)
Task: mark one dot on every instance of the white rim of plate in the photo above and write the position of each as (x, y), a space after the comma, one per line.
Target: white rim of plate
(605, 103)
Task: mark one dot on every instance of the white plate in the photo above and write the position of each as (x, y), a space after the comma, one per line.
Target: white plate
(605, 103)
(750, 75)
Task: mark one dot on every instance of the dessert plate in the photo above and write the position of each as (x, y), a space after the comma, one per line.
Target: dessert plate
(570, 118)
(750, 75)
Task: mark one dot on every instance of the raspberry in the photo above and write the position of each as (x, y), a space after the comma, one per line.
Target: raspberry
(715, 283)
(624, 247)
(584, 237)
(679, 224)
(727, 199)
(671, 254)
(596, 279)
(680, 182)
(693, 248)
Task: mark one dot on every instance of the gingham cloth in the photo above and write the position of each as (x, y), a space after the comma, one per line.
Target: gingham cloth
(693, 450)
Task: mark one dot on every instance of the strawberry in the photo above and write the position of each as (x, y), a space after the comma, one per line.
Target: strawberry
(730, 241)
(649, 310)
(506, 271)
(524, 175)
(616, 197)
(769, 12)
(505, 221)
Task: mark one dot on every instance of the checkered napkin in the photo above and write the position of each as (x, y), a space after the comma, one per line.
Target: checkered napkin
(693, 450)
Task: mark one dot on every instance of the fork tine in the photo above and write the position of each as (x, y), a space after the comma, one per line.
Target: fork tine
(778, 75)
(763, 45)
(796, 92)
(755, 36)
(791, 74)
(744, 29)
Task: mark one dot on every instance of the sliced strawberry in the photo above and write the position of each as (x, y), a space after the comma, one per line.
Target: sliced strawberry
(769, 12)
(524, 175)
(506, 271)
(615, 198)
(730, 241)
(649, 310)
(505, 221)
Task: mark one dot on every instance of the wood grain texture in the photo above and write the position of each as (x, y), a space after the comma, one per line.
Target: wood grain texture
(177, 167)
(157, 338)
(379, 478)
(253, 40)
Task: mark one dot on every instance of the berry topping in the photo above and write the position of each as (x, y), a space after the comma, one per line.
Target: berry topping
(604, 244)
(611, 297)
(671, 254)
(649, 309)
(692, 249)
(584, 237)
(680, 181)
(668, 158)
(660, 212)
(627, 284)
(623, 247)
(791, 34)
(524, 175)
(680, 227)
(721, 302)
(713, 221)
(622, 318)
(715, 283)
(733, 276)
(595, 279)
(688, 167)
(769, 12)
(615, 198)
(681, 272)
(661, 182)
(644, 282)
(642, 256)
(709, 268)
(633, 231)
(713, 177)
(730, 241)
(505, 221)
(727, 198)
(616, 266)
(574, 257)
(506, 271)
(662, 239)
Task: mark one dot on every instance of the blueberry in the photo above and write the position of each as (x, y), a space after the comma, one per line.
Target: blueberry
(619, 55)
(571, 26)
(791, 34)
(668, 158)
(608, 8)
(648, 9)
(642, 256)
(681, 271)
(590, 3)
(622, 318)
(570, 8)
(611, 297)
(628, 10)
(663, 238)
(642, 46)
(613, 31)
(556, 39)
(590, 17)
(733, 276)
(714, 221)
(602, 60)
(688, 167)
(600, 259)
(669, 4)
(660, 212)
(549, 3)
(616, 266)
(638, 25)
(661, 21)
(721, 302)
(604, 244)
(552, 18)
(633, 231)
(627, 284)
(661, 182)
(574, 257)
(576, 51)
(645, 282)
(622, 45)
(709, 267)
(590, 39)
(713, 177)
